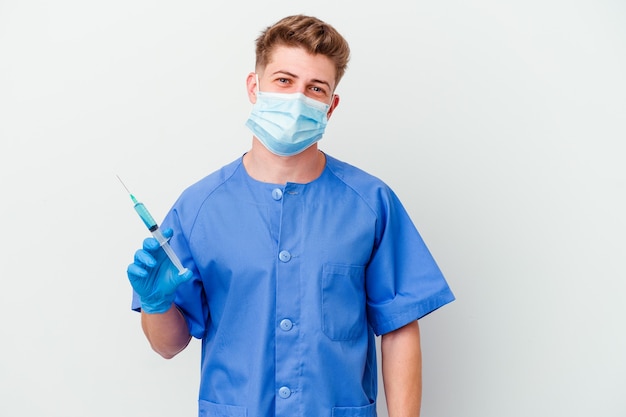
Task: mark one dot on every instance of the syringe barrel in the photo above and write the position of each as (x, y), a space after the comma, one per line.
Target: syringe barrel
(156, 233)
(148, 220)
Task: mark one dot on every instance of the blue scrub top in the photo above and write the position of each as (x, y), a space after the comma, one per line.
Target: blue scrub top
(291, 284)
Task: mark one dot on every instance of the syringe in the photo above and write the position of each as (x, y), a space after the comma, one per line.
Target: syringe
(153, 227)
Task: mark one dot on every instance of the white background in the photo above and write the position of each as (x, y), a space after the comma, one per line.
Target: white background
(500, 124)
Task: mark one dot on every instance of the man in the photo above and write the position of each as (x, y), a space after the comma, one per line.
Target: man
(295, 259)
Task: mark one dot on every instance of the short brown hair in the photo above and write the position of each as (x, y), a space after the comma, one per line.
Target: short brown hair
(310, 33)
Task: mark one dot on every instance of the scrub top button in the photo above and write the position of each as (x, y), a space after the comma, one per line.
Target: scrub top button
(286, 324)
(277, 194)
(284, 256)
(284, 392)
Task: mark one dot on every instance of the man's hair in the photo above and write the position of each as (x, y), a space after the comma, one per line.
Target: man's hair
(309, 33)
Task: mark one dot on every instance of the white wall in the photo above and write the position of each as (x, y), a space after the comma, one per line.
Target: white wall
(501, 125)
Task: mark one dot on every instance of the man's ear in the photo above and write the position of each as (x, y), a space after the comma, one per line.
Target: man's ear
(251, 87)
(333, 105)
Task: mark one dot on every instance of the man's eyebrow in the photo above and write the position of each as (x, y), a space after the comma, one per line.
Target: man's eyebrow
(315, 80)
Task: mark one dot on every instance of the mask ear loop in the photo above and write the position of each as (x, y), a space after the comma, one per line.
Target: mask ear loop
(257, 82)
(330, 106)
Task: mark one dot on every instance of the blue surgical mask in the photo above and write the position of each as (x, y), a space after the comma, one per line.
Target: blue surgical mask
(287, 124)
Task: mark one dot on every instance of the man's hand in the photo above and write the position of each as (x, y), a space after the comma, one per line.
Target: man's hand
(153, 276)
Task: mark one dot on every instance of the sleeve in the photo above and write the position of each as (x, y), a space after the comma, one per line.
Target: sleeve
(190, 298)
(403, 281)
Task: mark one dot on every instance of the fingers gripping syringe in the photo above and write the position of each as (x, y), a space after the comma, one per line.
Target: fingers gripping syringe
(153, 227)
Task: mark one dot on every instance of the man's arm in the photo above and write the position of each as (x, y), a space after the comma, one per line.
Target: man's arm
(402, 370)
(167, 332)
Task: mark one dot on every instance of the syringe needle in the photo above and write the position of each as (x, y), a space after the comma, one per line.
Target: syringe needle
(124, 185)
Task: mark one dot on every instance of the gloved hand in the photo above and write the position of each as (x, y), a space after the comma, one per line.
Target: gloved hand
(154, 277)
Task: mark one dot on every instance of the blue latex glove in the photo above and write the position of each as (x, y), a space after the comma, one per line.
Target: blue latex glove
(154, 277)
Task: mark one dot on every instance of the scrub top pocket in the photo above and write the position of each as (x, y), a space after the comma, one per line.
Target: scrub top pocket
(208, 409)
(366, 411)
(343, 301)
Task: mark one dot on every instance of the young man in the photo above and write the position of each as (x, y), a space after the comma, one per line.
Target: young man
(295, 259)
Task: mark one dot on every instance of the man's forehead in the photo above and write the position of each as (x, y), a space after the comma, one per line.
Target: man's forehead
(295, 62)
